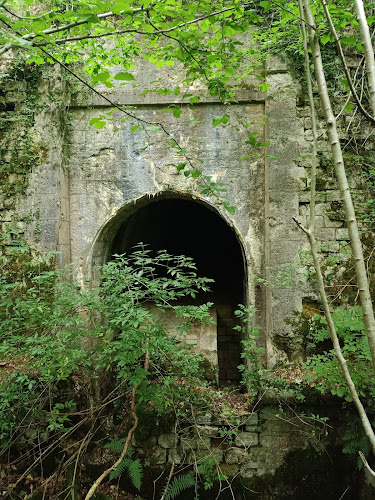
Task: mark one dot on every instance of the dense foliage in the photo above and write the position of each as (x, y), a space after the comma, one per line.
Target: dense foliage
(72, 355)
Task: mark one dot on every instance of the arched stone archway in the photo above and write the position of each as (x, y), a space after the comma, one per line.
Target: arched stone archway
(184, 226)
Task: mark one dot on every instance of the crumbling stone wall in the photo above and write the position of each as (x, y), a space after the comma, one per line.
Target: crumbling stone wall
(277, 455)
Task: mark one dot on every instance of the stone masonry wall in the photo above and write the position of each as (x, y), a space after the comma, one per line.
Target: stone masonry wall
(87, 181)
(257, 450)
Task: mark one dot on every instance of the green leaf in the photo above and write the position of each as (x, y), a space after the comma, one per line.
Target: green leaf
(264, 86)
(229, 208)
(97, 122)
(349, 107)
(252, 139)
(177, 486)
(217, 120)
(180, 166)
(101, 77)
(123, 75)
(194, 100)
(88, 17)
(148, 28)
(266, 5)
(177, 112)
(119, 6)
(196, 173)
(348, 41)
(325, 39)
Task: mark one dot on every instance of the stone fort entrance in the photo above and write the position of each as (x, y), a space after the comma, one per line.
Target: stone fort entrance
(184, 226)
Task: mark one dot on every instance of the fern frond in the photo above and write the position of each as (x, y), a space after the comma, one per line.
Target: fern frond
(116, 446)
(122, 466)
(135, 471)
(178, 485)
(134, 468)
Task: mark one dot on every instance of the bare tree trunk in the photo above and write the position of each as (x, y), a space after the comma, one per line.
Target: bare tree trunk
(334, 140)
(313, 120)
(367, 49)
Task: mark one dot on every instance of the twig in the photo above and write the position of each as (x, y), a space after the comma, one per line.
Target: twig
(124, 451)
(29, 18)
(350, 93)
(168, 481)
(370, 118)
(342, 496)
(45, 452)
(293, 14)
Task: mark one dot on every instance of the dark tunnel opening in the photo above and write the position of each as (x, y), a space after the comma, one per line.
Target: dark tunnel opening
(186, 227)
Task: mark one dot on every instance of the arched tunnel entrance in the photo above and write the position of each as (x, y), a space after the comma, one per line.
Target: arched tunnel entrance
(187, 227)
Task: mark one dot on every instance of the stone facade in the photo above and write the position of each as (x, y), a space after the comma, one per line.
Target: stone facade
(89, 190)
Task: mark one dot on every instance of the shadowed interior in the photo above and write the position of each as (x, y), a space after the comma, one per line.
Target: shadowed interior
(186, 227)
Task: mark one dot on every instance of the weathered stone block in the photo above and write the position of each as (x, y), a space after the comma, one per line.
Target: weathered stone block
(305, 197)
(309, 135)
(229, 469)
(304, 112)
(246, 439)
(251, 463)
(332, 223)
(308, 123)
(177, 456)
(276, 65)
(304, 210)
(342, 234)
(15, 85)
(8, 202)
(202, 443)
(325, 234)
(159, 456)
(330, 246)
(333, 195)
(321, 208)
(204, 419)
(15, 96)
(168, 440)
(247, 472)
(253, 428)
(235, 456)
(217, 454)
(207, 430)
(249, 419)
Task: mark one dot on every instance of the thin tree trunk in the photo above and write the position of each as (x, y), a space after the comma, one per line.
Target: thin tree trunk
(313, 121)
(334, 140)
(367, 49)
